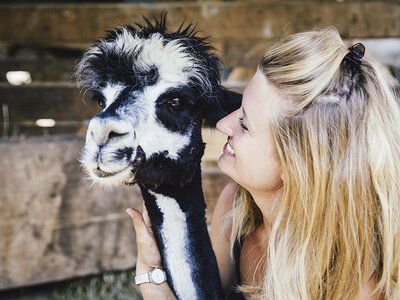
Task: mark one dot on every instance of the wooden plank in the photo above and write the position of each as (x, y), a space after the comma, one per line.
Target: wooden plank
(59, 101)
(55, 69)
(21, 106)
(54, 225)
(44, 64)
(39, 25)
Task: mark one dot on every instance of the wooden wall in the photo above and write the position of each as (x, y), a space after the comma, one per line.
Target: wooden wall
(53, 225)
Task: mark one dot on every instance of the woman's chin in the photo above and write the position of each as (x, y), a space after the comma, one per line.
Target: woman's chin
(224, 165)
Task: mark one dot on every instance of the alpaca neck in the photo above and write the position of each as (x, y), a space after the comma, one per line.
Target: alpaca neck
(177, 215)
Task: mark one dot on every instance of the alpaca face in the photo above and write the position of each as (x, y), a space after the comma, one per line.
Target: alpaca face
(154, 88)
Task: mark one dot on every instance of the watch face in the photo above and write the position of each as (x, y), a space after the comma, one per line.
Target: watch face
(158, 276)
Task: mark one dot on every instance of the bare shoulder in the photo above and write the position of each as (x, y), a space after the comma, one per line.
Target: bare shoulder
(224, 204)
(220, 235)
(225, 199)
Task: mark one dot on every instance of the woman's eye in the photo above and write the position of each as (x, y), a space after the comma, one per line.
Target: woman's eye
(242, 124)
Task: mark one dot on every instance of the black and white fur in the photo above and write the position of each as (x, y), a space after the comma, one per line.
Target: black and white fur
(155, 88)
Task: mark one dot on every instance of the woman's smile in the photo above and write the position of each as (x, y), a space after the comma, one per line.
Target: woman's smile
(228, 150)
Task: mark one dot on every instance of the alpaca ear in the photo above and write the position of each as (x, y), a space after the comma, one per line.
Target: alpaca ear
(226, 102)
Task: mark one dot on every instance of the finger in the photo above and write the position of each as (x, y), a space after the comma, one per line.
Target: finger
(148, 252)
(138, 222)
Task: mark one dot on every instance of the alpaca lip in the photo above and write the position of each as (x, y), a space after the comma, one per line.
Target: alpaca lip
(102, 174)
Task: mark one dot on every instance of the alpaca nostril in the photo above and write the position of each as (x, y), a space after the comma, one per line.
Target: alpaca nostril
(114, 134)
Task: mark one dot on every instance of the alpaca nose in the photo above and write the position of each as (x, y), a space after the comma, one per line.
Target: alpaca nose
(103, 130)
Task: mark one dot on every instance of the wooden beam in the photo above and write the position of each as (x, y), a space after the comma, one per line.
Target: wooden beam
(79, 25)
(59, 101)
(41, 69)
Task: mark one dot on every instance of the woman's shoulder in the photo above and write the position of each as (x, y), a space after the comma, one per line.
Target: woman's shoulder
(219, 223)
(225, 199)
(220, 235)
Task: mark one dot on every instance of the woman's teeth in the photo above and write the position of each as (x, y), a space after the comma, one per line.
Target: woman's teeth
(229, 148)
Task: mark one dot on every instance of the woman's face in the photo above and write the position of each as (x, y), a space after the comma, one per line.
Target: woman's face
(249, 156)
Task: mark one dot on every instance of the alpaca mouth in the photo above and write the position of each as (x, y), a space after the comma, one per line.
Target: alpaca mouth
(103, 174)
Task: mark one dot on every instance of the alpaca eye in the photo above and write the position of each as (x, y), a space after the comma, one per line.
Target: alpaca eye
(99, 98)
(101, 102)
(174, 102)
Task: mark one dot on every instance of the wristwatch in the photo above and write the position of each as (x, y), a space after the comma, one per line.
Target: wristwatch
(156, 276)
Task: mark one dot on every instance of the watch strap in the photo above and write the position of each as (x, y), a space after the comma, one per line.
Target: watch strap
(148, 278)
(142, 278)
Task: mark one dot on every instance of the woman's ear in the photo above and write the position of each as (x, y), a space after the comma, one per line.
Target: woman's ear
(224, 103)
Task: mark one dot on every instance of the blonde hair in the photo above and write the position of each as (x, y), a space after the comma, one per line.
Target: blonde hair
(339, 147)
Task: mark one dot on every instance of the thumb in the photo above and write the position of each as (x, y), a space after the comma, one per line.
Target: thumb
(138, 222)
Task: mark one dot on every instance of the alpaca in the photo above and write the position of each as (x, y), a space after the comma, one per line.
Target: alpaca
(155, 88)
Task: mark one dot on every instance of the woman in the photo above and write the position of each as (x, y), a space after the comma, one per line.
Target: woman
(315, 149)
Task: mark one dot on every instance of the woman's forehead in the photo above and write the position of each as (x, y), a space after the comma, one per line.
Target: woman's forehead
(261, 99)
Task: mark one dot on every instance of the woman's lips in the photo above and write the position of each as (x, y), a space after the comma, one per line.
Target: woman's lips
(228, 150)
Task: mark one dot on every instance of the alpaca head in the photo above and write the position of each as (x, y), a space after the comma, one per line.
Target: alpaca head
(154, 87)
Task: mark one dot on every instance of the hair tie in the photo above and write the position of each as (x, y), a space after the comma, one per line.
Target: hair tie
(356, 54)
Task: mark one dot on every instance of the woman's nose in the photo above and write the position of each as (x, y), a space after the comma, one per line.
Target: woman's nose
(226, 125)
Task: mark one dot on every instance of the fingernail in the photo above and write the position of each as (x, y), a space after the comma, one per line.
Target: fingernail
(129, 212)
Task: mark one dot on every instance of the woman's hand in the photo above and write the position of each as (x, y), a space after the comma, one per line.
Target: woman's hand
(149, 256)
